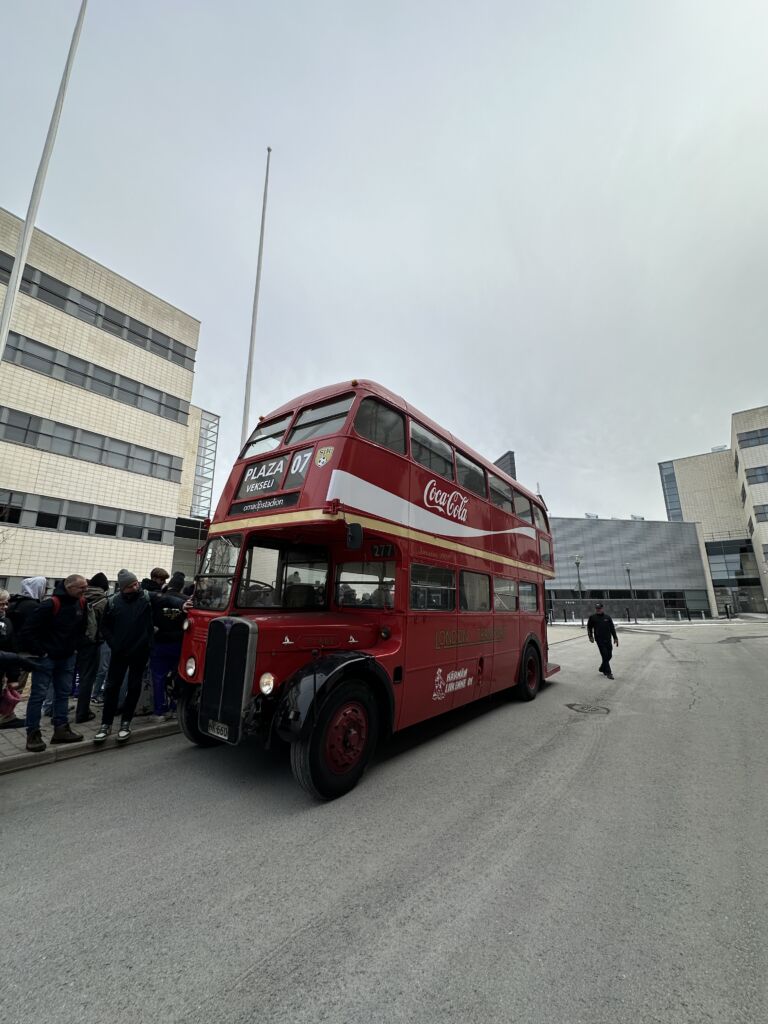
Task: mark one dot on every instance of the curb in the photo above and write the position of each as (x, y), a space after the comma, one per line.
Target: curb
(65, 752)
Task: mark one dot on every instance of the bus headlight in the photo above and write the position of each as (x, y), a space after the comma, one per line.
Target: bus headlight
(186, 624)
(267, 683)
(190, 667)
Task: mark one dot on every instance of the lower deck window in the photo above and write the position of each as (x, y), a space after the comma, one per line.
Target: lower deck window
(365, 585)
(433, 588)
(282, 576)
(529, 595)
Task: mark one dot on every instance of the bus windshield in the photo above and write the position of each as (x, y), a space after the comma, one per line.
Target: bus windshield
(217, 572)
(283, 576)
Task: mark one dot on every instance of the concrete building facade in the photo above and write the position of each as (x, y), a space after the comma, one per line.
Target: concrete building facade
(101, 450)
(726, 492)
(635, 567)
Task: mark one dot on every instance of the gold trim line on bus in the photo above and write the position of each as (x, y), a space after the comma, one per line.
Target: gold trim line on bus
(382, 526)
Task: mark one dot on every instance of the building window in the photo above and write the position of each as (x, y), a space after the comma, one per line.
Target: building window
(49, 513)
(671, 493)
(62, 439)
(11, 503)
(736, 461)
(757, 475)
(33, 355)
(78, 517)
(105, 522)
(765, 553)
(743, 495)
(761, 513)
(753, 438)
(84, 307)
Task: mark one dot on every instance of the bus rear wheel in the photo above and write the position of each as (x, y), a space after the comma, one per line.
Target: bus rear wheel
(188, 708)
(330, 761)
(530, 674)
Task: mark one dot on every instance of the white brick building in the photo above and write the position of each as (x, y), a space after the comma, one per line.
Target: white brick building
(101, 452)
(726, 491)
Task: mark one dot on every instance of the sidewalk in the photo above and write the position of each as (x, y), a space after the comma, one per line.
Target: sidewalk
(14, 756)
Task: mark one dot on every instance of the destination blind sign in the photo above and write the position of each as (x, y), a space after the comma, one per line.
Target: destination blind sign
(278, 474)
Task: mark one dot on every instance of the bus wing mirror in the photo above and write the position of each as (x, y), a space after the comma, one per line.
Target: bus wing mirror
(354, 536)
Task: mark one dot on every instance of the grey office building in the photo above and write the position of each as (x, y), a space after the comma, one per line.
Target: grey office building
(635, 567)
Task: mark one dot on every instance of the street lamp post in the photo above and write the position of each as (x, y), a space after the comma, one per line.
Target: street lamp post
(577, 562)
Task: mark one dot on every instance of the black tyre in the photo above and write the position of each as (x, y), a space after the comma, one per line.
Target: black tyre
(187, 709)
(530, 674)
(331, 759)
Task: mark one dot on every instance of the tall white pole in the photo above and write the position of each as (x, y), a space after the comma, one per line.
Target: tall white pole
(25, 236)
(255, 313)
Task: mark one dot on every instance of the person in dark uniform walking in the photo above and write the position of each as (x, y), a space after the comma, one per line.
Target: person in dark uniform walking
(601, 630)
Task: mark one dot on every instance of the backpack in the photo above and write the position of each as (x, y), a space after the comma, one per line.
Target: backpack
(91, 627)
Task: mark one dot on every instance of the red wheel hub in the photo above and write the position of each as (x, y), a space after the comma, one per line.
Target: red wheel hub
(346, 737)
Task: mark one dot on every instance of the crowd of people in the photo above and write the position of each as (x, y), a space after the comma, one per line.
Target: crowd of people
(104, 641)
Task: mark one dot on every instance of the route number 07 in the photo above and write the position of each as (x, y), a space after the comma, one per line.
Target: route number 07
(300, 462)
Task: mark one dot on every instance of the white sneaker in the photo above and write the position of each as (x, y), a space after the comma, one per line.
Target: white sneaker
(124, 733)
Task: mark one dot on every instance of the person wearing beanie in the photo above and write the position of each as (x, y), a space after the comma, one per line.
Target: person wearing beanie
(168, 617)
(126, 626)
(89, 651)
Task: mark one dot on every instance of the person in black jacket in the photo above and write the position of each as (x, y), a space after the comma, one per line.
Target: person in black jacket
(600, 630)
(126, 625)
(168, 616)
(89, 652)
(156, 580)
(54, 631)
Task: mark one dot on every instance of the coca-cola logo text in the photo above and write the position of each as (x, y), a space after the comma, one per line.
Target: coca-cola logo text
(448, 503)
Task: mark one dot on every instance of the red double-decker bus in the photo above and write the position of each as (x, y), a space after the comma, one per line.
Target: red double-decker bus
(364, 571)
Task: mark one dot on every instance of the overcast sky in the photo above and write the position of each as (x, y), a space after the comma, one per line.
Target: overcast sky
(545, 224)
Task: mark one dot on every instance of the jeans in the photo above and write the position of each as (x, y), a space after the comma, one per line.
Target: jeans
(164, 659)
(101, 675)
(59, 674)
(118, 664)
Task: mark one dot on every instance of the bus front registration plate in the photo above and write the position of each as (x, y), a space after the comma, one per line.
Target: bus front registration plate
(219, 730)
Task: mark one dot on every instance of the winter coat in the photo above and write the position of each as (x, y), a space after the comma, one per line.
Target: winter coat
(126, 623)
(56, 633)
(7, 635)
(20, 607)
(168, 616)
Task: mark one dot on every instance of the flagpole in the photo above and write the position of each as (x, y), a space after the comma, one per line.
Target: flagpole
(25, 236)
(255, 313)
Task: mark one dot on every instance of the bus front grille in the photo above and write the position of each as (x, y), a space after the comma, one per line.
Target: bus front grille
(230, 660)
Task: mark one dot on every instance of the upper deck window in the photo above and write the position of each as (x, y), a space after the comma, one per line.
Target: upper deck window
(501, 493)
(523, 507)
(381, 424)
(431, 451)
(539, 517)
(319, 420)
(266, 437)
(470, 475)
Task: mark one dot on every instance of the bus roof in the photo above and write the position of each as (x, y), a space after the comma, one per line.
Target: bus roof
(379, 391)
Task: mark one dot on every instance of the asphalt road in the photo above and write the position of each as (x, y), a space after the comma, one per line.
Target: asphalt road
(512, 862)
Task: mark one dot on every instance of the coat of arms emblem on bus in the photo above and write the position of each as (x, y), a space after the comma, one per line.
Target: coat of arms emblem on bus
(323, 457)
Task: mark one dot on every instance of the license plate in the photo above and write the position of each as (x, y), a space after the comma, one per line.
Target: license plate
(219, 730)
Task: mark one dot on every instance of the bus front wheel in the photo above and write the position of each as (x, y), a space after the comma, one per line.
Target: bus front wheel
(530, 674)
(187, 710)
(329, 761)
